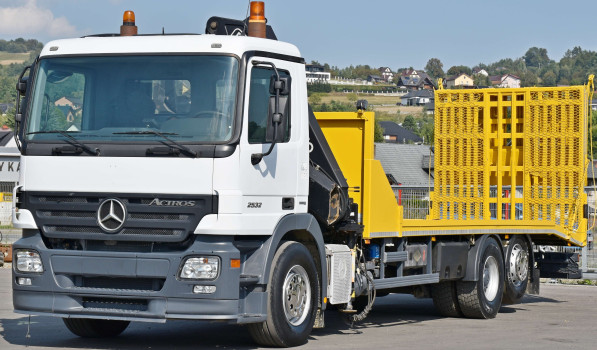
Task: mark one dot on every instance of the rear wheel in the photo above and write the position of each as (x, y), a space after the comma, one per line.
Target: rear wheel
(517, 270)
(292, 299)
(445, 299)
(92, 328)
(483, 298)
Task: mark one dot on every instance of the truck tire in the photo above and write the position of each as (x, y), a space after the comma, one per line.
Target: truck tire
(292, 299)
(93, 328)
(445, 299)
(516, 270)
(483, 298)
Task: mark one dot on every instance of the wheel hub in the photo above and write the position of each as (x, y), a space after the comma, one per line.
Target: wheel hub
(490, 278)
(519, 265)
(297, 295)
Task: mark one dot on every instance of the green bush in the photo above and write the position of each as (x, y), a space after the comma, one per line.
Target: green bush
(355, 88)
(319, 87)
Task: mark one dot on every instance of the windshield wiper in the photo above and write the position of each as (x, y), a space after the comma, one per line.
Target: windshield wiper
(180, 146)
(82, 147)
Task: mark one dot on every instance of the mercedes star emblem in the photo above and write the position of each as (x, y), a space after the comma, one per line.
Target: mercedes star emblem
(111, 215)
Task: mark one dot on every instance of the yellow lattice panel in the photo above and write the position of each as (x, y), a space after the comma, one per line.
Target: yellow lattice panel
(554, 155)
(511, 157)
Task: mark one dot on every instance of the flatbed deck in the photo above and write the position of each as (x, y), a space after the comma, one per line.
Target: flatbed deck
(528, 145)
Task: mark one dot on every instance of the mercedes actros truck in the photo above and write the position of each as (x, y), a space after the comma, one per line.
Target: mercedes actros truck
(185, 177)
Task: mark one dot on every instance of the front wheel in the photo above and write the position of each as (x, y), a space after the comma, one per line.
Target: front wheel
(483, 298)
(92, 328)
(292, 299)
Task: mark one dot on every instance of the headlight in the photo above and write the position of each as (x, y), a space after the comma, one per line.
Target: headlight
(28, 261)
(204, 268)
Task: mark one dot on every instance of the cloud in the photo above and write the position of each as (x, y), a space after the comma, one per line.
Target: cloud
(31, 20)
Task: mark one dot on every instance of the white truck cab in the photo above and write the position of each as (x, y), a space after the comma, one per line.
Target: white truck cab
(159, 172)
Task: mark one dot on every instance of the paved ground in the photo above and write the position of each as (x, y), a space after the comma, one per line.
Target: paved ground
(562, 317)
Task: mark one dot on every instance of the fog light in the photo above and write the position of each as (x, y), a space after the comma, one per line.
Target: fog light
(202, 268)
(24, 281)
(204, 289)
(28, 261)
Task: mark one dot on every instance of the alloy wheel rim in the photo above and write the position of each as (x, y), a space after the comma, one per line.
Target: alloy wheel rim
(490, 278)
(296, 295)
(519, 265)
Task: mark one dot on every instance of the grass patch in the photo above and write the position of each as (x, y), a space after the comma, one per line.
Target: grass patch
(385, 107)
(582, 282)
(372, 99)
(7, 58)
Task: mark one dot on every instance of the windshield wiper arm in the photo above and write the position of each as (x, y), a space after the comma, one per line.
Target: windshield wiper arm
(180, 146)
(68, 135)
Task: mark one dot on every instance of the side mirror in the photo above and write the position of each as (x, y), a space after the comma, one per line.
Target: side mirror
(277, 119)
(22, 85)
(283, 85)
(21, 102)
(278, 122)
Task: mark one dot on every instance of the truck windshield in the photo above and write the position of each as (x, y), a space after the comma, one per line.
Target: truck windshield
(109, 98)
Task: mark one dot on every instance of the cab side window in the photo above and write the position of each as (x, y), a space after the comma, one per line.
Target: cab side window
(259, 104)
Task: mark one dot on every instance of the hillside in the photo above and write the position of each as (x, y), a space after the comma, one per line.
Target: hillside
(7, 58)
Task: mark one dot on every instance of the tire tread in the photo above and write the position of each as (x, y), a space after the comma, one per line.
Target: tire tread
(445, 299)
(468, 299)
(95, 328)
(265, 333)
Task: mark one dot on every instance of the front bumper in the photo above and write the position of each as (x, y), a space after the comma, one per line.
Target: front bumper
(132, 286)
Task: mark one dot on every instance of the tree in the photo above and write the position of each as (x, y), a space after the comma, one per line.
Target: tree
(9, 118)
(593, 133)
(378, 132)
(527, 79)
(315, 99)
(481, 80)
(456, 70)
(409, 123)
(434, 68)
(536, 57)
(319, 87)
(549, 78)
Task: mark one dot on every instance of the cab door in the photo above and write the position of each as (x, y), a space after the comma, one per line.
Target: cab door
(271, 187)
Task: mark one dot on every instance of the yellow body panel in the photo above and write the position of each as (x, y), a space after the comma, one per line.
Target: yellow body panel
(351, 138)
(506, 161)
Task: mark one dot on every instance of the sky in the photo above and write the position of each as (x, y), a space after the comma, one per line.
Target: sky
(395, 33)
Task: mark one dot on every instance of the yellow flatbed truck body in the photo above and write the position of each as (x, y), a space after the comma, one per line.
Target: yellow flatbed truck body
(507, 161)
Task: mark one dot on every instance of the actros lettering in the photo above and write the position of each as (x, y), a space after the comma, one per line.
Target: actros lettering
(170, 203)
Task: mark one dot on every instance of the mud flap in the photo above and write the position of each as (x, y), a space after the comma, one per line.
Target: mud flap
(319, 321)
(534, 283)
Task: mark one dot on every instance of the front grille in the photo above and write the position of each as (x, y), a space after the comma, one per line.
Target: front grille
(58, 199)
(152, 232)
(75, 216)
(134, 216)
(106, 304)
(59, 229)
(121, 284)
(126, 231)
(66, 214)
(111, 246)
(119, 246)
(155, 216)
